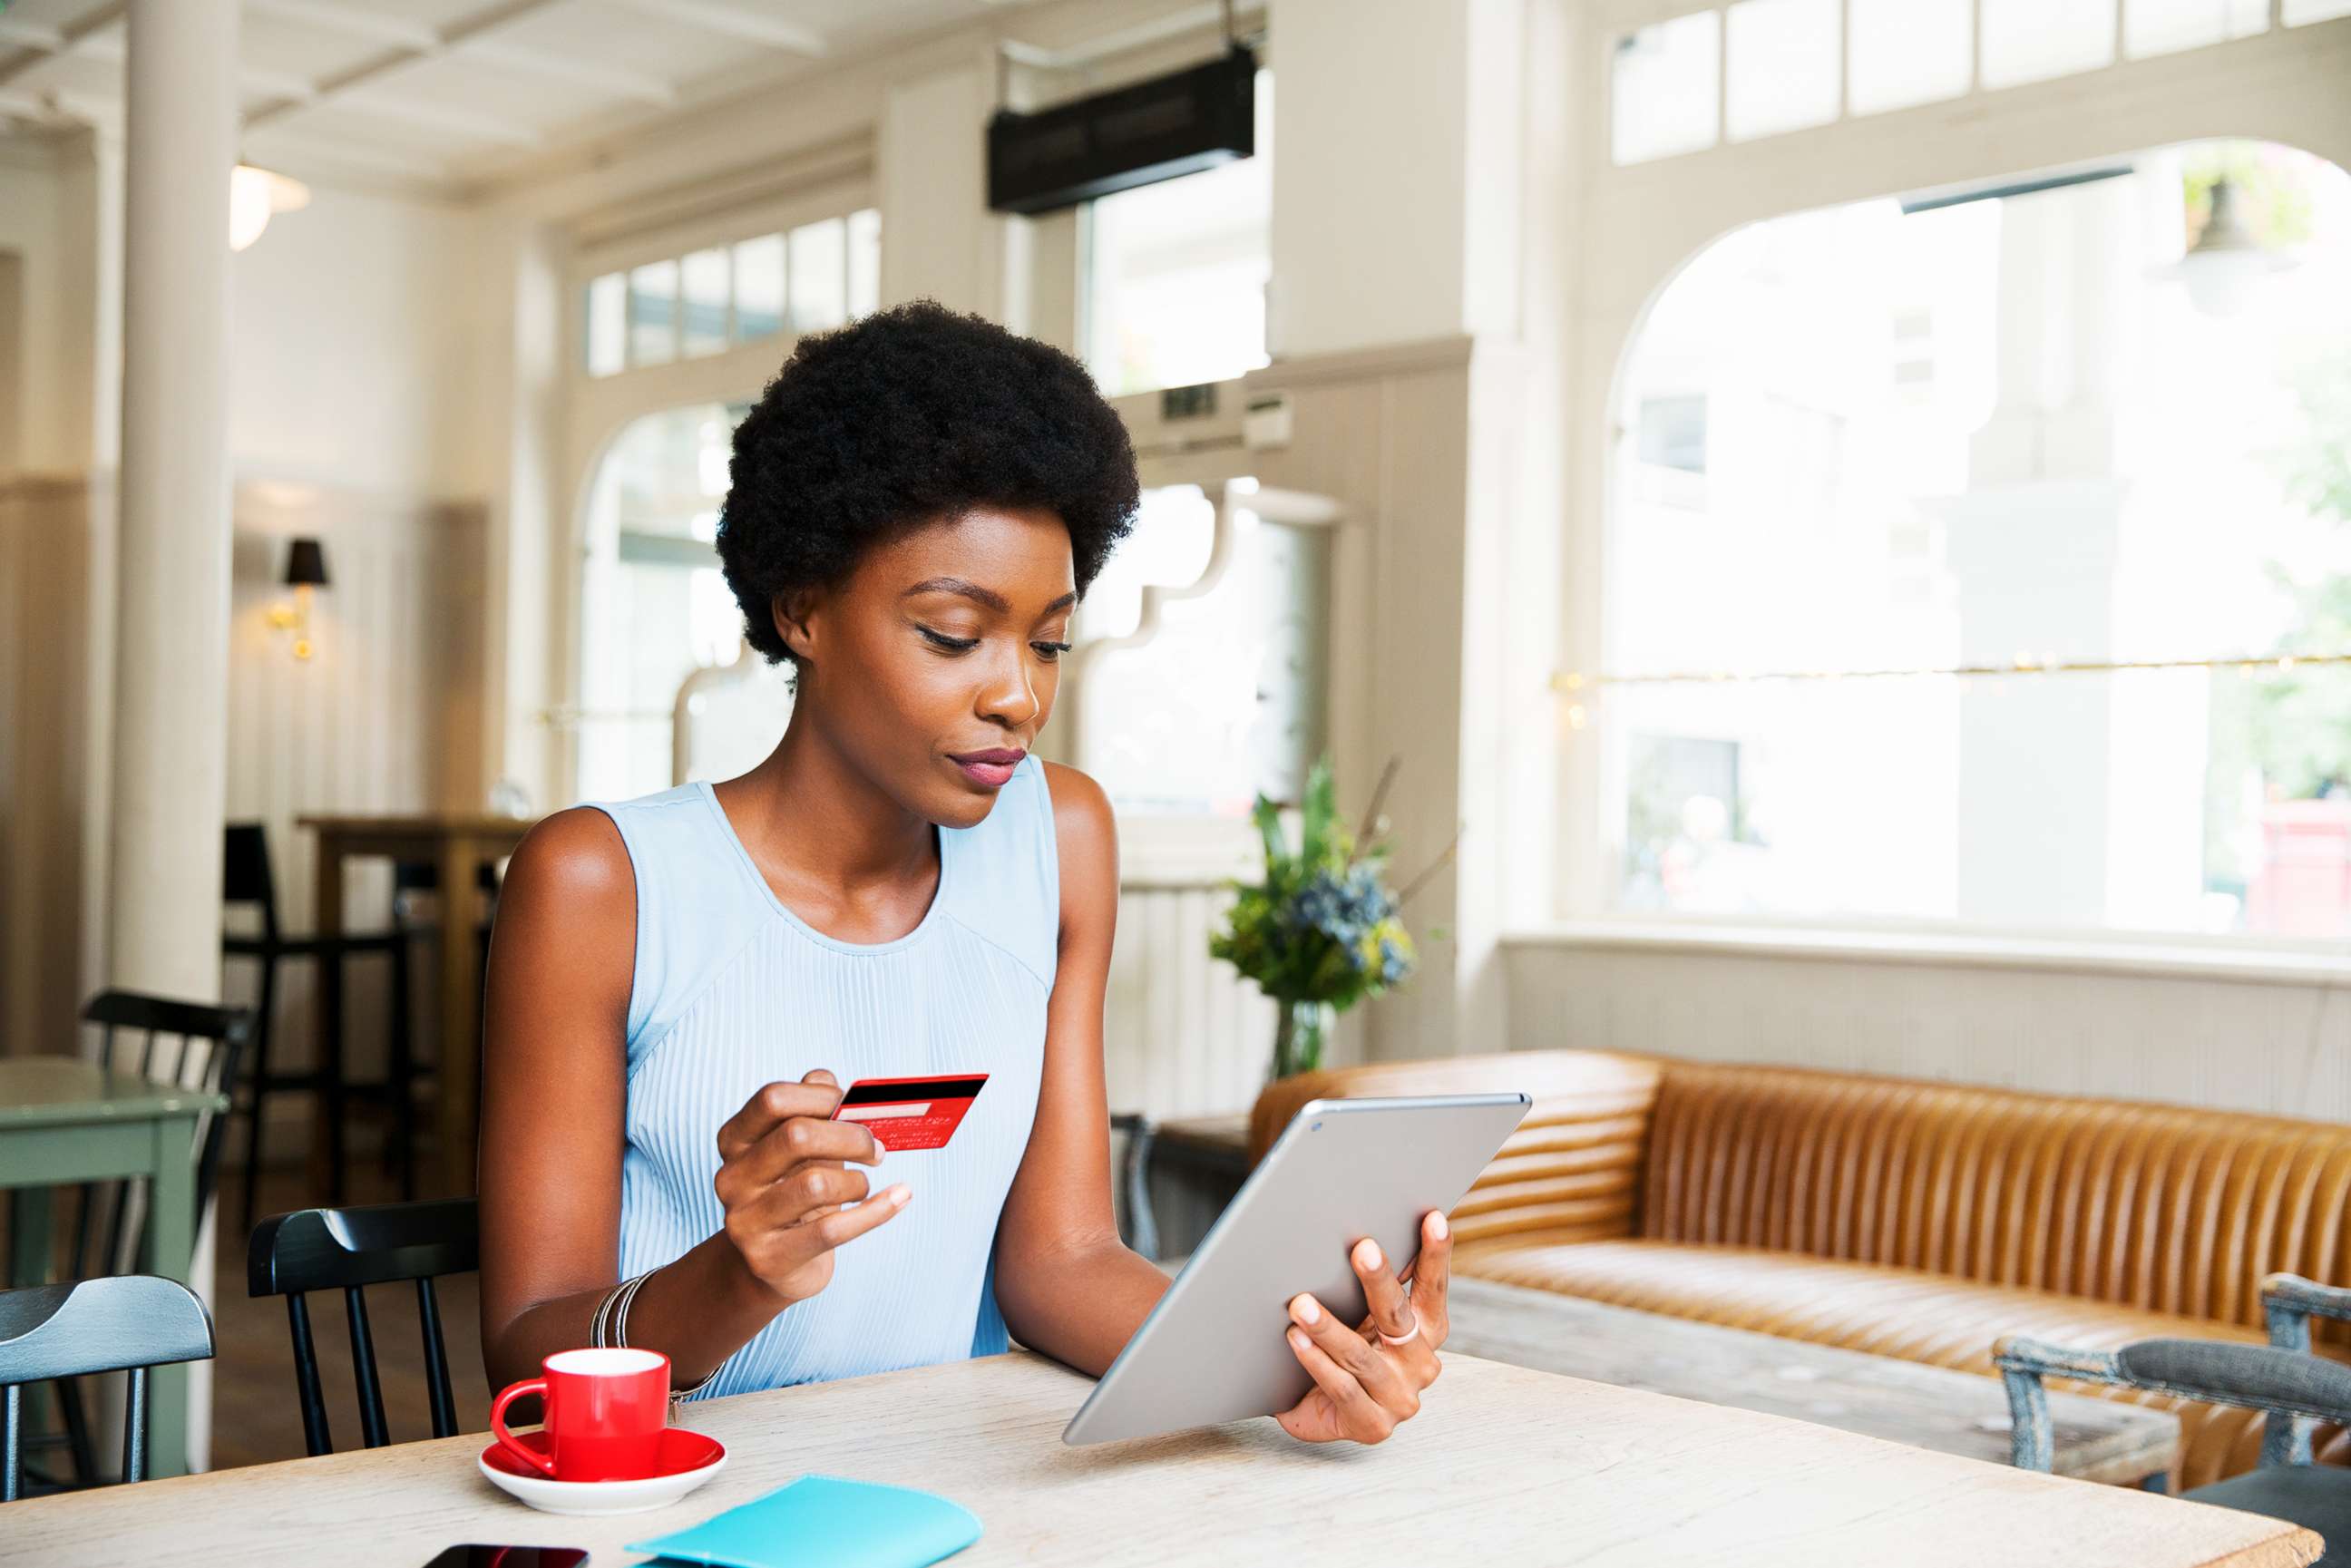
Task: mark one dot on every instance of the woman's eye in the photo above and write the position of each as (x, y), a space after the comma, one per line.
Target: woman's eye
(1050, 652)
(952, 644)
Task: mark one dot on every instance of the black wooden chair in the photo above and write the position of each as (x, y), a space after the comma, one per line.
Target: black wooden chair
(127, 1323)
(189, 1045)
(2282, 1379)
(349, 1250)
(247, 880)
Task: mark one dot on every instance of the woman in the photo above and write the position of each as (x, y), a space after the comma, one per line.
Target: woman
(681, 986)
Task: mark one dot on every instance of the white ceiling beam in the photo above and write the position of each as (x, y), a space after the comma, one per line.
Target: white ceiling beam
(284, 85)
(293, 151)
(421, 112)
(641, 88)
(32, 36)
(113, 49)
(40, 42)
(729, 22)
(350, 21)
(406, 42)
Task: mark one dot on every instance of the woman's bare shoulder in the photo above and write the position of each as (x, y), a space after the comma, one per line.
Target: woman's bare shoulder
(574, 858)
(1085, 838)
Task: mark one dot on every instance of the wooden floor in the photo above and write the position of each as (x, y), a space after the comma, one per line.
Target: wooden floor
(255, 1417)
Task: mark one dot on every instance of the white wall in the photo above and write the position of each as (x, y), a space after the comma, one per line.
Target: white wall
(353, 321)
(1373, 191)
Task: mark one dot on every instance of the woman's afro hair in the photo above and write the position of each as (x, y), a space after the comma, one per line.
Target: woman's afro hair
(910, 416)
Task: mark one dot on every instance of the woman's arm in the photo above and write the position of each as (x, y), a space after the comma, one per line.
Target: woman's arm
(554, 1078)
(553, 1090)
(1066, 1284)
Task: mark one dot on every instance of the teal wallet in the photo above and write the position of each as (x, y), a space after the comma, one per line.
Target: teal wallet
(823, 1522)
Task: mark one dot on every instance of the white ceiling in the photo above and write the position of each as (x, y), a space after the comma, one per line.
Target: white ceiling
(440, 90)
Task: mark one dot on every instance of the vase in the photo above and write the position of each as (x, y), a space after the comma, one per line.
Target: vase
(1299, 1032)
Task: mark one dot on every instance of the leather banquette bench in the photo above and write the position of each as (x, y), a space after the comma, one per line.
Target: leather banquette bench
(1902, 1218)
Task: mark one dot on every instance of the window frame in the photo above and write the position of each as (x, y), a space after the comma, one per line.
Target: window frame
(2282, 84)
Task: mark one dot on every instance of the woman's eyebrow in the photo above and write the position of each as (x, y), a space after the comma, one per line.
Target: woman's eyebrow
(955, 585)
(979, 595)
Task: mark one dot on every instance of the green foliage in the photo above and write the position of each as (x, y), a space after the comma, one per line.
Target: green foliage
(1324, 926)
(2299, 728)
(2301, 722)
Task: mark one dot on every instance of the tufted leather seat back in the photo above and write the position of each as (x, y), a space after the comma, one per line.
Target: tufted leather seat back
(1572, 1169)
(2165, 1208)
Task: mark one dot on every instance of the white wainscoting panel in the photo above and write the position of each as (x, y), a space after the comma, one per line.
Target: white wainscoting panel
(1183, 1034)
(2279, 1045)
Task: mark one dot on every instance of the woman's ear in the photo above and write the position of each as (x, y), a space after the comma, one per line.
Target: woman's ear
(793, 614)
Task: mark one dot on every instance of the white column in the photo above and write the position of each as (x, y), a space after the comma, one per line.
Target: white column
(171, 641)
(170, 685)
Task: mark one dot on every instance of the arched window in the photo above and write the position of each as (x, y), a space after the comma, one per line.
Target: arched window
(656, 608)
(1966, 559)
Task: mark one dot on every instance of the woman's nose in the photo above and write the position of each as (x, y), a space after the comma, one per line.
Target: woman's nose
(1010, 698)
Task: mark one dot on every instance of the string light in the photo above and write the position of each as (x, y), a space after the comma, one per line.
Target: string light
(2025, 663)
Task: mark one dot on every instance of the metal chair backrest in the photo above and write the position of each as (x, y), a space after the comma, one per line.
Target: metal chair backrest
(349, 1250)
(188, 1045)
(244, 872)
(124, 1323)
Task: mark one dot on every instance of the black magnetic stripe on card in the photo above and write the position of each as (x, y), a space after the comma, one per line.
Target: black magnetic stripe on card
(893, 1093)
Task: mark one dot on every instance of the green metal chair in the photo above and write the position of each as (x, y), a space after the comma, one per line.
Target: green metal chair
(2282, 1378)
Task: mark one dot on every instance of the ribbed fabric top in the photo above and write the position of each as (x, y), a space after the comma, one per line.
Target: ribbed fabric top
(733, 990)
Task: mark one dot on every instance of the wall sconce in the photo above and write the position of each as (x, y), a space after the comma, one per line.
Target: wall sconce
(305, 569)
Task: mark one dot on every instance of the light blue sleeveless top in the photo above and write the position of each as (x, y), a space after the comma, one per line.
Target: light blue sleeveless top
(733, 990)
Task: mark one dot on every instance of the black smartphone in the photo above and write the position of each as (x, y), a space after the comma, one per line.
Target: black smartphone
(479, 1556)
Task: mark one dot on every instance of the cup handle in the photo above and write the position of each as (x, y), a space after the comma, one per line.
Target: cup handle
(543, 1463)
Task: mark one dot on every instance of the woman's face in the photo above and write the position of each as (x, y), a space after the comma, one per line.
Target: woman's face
(935, 666)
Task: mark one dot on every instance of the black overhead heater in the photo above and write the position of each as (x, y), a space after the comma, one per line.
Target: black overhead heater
(1131, 136)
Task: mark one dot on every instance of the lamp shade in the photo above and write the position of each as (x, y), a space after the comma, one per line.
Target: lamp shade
(305, 565)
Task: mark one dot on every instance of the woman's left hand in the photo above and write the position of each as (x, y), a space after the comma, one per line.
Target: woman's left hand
(1369, 1377)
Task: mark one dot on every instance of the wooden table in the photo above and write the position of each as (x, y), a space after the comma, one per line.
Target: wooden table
(63, 1120)
(1503, 1466)
(456, 843)
(1902, 1401)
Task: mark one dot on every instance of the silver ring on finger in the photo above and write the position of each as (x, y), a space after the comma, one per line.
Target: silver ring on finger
(1398, 1341)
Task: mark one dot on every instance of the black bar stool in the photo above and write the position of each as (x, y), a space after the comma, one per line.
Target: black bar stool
(247, 880)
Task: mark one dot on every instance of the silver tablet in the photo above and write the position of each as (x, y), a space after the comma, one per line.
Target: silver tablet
(1213, 1349)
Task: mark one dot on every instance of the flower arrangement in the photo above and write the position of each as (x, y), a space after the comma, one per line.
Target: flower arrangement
(1322, 931)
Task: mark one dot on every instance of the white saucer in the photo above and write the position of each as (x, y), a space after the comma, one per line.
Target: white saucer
(689, 1460)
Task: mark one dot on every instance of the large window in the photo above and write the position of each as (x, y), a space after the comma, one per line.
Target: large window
(1760, 68)
(1175, 272)
(655, 607)
(1969, 561)
(805, 279)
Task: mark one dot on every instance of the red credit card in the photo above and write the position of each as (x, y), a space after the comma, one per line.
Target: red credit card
(911, 1113)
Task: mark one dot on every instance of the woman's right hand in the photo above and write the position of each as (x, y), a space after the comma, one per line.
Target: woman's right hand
(789, 1195)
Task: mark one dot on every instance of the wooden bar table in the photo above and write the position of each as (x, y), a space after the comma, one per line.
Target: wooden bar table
(1503, 1466)
(63, 1120)
(456, 843)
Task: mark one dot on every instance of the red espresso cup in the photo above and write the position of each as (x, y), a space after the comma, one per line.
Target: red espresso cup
(605, 1413)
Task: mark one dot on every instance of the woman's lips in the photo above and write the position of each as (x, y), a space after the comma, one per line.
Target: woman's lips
(990, 770)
